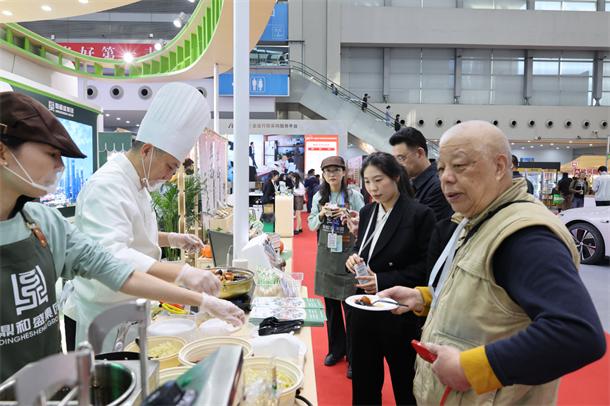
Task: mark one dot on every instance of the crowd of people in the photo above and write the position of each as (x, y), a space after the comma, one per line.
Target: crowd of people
(457, 242)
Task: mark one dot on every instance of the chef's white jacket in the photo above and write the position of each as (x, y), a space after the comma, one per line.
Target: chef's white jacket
(114, 209)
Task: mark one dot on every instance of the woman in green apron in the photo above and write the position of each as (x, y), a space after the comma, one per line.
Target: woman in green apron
(38, 246)
(330, 205)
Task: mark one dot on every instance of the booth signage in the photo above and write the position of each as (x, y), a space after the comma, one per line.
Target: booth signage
(318, 147)
(277, 27)
(108, 50)
(263, 84)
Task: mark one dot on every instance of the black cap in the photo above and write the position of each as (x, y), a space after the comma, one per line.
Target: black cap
(26, 119)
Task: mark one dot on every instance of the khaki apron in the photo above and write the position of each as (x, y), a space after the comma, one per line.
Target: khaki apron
(29, 317)
(332, 279)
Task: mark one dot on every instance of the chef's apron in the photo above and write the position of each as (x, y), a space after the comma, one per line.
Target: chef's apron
(29, 317)
(332, 279)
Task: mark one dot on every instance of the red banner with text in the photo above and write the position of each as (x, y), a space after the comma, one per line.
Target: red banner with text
(109, 50)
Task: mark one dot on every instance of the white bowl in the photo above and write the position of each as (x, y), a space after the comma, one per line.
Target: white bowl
(290, 370)
(176, 326)
(197, 350)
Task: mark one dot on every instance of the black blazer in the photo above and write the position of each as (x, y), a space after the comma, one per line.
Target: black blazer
(268, 192)
(399, 257)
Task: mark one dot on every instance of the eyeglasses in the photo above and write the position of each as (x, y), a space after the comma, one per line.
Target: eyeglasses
(332, 171)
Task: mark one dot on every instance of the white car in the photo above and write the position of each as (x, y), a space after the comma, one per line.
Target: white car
(590, 228)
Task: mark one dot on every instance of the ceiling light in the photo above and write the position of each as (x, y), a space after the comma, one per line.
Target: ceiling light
(107, 114)
(127, 121)
(568, 147)
(137, 125)
(128, 57)
(158, 46)
(512, 143)
(83, 1)
(180, 20)
(191, 1)
(522, 147)
(531, 146)
(151, 35)
(590, 145)
(541, 145)
(46, 7)
(571, 141)
(557, 147)
(529, 141)
(118, 118)
(7, 13)
(552, 144)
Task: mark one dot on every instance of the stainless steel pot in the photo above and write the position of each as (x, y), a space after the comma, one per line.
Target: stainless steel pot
(111, 385)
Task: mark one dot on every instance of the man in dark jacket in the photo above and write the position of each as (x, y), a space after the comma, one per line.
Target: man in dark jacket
(410, 149)
(312, 184)
(516, 174)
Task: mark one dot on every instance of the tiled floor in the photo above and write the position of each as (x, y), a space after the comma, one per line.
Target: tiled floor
(597, 280)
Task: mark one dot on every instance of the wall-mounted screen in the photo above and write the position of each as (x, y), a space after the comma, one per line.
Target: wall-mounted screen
(81, 123)
(77, 171)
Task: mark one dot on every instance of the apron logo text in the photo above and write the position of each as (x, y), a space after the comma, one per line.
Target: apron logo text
(29, 290)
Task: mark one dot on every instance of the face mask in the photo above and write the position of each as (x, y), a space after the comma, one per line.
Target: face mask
(151, 187)
(49, 184)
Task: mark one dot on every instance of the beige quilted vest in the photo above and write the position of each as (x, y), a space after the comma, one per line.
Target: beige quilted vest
(472, 310)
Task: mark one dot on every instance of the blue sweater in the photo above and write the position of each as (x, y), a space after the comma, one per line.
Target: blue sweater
(536, 270)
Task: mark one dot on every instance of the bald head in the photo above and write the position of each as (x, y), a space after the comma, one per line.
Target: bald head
(482, 136)
(474, 166)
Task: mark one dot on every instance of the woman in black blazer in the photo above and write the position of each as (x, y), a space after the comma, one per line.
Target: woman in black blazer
(392, 240)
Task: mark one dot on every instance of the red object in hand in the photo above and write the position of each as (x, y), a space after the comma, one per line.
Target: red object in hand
(423, 351)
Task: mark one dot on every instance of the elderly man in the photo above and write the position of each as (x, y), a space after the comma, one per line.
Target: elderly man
(509, 315)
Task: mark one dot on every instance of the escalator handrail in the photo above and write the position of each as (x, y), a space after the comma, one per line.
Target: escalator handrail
(353, 98)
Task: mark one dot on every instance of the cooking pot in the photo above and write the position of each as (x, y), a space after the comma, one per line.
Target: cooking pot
(111, 385)
(238, 287)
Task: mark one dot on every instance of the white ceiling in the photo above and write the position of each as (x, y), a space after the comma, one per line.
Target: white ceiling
(15, 11)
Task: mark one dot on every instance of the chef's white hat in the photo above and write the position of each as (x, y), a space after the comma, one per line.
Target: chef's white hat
(175, 119)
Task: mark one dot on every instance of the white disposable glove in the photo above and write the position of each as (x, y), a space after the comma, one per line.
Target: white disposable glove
(199, 280)
(223, 309)
(187, 242)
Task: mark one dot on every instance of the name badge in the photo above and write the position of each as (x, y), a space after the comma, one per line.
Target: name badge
(331, 241)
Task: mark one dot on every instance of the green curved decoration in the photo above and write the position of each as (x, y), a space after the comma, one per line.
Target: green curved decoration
(182, 52)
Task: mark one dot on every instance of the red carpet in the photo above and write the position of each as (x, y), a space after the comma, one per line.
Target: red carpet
(588, 386)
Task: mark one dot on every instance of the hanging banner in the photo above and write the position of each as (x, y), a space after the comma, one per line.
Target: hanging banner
(213, 169)
(318, 147)
(109, 50)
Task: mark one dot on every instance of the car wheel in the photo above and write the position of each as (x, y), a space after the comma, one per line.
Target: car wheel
(588, 241)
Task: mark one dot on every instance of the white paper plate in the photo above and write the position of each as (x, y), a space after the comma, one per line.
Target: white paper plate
(377, 307)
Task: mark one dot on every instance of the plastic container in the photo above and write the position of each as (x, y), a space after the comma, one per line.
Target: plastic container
(290, 370)
(171, 374)
(168, 361)
(216, 327)
(197, 350)
(175, 327)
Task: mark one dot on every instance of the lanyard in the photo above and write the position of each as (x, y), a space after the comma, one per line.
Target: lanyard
(375, 232)
(449, 251)
(446, 258)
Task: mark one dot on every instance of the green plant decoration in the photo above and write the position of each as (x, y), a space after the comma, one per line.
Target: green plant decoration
(165, 204)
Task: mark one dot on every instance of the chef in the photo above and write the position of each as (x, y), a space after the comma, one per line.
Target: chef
(115, 207)
(38, 246)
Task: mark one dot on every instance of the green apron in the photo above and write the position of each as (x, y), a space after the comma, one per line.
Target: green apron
(332, 279)
(29, 317)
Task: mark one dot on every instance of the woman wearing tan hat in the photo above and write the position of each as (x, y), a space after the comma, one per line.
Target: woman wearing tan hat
(38, 246)
(329, 207)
